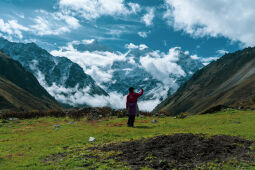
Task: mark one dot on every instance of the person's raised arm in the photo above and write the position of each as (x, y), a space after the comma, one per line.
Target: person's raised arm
(139, 94)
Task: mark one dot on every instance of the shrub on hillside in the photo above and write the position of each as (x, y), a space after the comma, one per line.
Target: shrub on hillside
(182, 115)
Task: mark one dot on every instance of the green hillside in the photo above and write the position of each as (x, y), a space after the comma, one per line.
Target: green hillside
(227, 82)
(19, 89)
(62, 143)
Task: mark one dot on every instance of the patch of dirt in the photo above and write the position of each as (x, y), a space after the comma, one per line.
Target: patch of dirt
(5, 140)
(180, 151)
(124, 123)
(14, 155)
(142, 121)
(22, 129)
(115, 124)
(54, 158)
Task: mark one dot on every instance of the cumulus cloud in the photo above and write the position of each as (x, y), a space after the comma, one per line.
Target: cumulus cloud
(231, 19)
(76, 97)
(12, 27)
(144, 34)
(161, 65)
(148, 17)
(94, 9)
(133, 46)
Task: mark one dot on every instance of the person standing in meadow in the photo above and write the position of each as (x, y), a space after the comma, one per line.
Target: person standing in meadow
(131, 105)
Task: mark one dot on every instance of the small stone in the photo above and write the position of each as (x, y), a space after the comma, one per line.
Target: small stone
(237, 122)
(57, 126)
(162, 115)
(154, 121)
(174, 117)
(71, 123)
(240, 107)
(141, 116)
(91, 139)
(13, 118)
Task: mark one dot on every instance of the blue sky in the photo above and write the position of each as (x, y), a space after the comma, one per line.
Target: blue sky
(202, 27)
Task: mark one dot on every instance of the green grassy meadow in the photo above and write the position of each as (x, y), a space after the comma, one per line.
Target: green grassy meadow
(25, 144)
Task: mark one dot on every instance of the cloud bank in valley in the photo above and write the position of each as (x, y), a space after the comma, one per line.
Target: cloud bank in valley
(98, 64)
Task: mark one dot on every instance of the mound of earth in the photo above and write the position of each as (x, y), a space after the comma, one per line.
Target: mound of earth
(180, 151)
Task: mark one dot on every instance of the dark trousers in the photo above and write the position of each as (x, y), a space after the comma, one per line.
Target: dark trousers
(131, 120)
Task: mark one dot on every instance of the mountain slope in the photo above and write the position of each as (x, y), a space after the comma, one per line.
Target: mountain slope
(58, 75)
(229, 81)
(20, 90)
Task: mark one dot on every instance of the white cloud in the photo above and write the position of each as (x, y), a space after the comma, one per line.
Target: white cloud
(222, 52)
(231, 19)
(135, 8)
(91, 61)
(94, 9)
(53, 23)
(208, 60)
(71, 21)
(43, 27)
(88, 41)
(43, 24)
(148, 18)
(162, 65)
(12, 27)
(194, 57)
(76, 97)
(133, 46)
(144, 34)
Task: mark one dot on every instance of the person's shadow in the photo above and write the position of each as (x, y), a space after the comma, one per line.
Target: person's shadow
(143, 127)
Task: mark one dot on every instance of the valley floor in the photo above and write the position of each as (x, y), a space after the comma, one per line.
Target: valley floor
(62, 143)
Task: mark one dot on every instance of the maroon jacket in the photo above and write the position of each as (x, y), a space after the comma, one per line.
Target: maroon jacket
(132, 97)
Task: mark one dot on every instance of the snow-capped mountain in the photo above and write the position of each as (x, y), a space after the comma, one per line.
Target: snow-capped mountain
(88, 73)
(62, 78)
(160, 74)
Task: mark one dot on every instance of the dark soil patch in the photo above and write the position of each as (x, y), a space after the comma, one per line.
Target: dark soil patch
(54, 158)
(180, 151)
